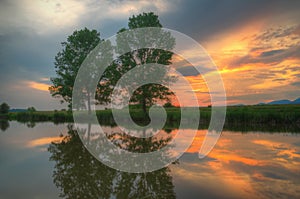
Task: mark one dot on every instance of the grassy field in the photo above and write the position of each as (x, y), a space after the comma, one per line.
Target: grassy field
(248, 117)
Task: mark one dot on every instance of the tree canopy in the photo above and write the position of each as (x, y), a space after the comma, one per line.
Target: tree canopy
(4, 108)
(69, 59)
(147, 94)
(31, 109)
(81, 43)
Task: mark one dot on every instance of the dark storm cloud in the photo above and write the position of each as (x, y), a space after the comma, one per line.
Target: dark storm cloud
(204, 18)
(30, 53)
(271, 33)
(269, 57)
(274, 45)
(278, 79)
(271, 53)
(296, 84)
(265, 75)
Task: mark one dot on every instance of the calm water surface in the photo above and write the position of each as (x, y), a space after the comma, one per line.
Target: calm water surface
(242, 165)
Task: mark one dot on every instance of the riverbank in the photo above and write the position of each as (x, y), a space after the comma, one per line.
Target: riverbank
(247, 117)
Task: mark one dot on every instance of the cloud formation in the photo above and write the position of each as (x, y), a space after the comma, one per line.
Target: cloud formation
(255, 44)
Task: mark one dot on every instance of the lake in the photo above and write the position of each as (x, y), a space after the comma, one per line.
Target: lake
(241, 165)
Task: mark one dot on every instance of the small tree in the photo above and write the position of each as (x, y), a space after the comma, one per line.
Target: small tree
(168, 105)
(4, 108)
(31, 109)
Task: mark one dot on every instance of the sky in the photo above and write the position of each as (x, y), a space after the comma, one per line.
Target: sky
(254, 43)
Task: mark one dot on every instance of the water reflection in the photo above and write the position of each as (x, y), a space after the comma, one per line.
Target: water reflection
(30, 124)
(128, 153)
(253, 165)
(79, 175)
(241, 165)
(4, 124)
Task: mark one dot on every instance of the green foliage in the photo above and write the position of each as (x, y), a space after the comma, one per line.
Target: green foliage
(31, 109)
(69, 60)
(144, 20)
(82, 42)
(282, 118)
(168, 105)
(4, 108)
(148, 94)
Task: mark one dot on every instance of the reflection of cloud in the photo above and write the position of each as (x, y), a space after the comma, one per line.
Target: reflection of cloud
(283, 149)
(243, 166)
(43, 141)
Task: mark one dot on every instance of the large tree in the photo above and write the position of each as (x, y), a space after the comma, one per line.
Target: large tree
(68, 62)
(81, 43)
(147, 94)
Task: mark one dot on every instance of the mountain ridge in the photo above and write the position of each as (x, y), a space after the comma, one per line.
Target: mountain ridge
(282, 102)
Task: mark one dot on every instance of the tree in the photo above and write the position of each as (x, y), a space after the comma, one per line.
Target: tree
(4, 108)
(69, 60)
(79, 45)
(168, 105)
(147, 94)
(31, 109)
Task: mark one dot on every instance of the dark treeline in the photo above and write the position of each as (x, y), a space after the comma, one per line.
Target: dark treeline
(283, 118)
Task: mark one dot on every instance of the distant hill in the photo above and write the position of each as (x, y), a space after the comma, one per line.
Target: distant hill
(280, 102)
(17, 110)
(238, 105)
(297, 101)
(285, 101)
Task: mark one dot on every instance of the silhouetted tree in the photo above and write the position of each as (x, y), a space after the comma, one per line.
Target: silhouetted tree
(31, 109)
(4, 108)
(69, 60)
(168, 105)
(148, 94)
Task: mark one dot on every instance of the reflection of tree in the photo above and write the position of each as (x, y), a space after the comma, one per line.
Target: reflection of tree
(141, 145)
(4, 124)
(157, 184)
(30, 124)
(79, 175)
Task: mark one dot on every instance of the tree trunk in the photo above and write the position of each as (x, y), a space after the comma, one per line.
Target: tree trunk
(144, 108)
(89, 133)
(89, 103)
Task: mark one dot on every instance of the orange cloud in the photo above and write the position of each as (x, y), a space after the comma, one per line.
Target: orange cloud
(38, 86)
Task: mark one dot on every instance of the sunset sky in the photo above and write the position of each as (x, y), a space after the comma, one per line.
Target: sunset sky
(255, 43)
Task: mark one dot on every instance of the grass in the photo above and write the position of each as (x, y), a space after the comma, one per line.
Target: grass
(270, 116)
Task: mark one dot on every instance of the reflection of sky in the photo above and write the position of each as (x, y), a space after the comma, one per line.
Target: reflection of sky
(25, 169)
(241, 165)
